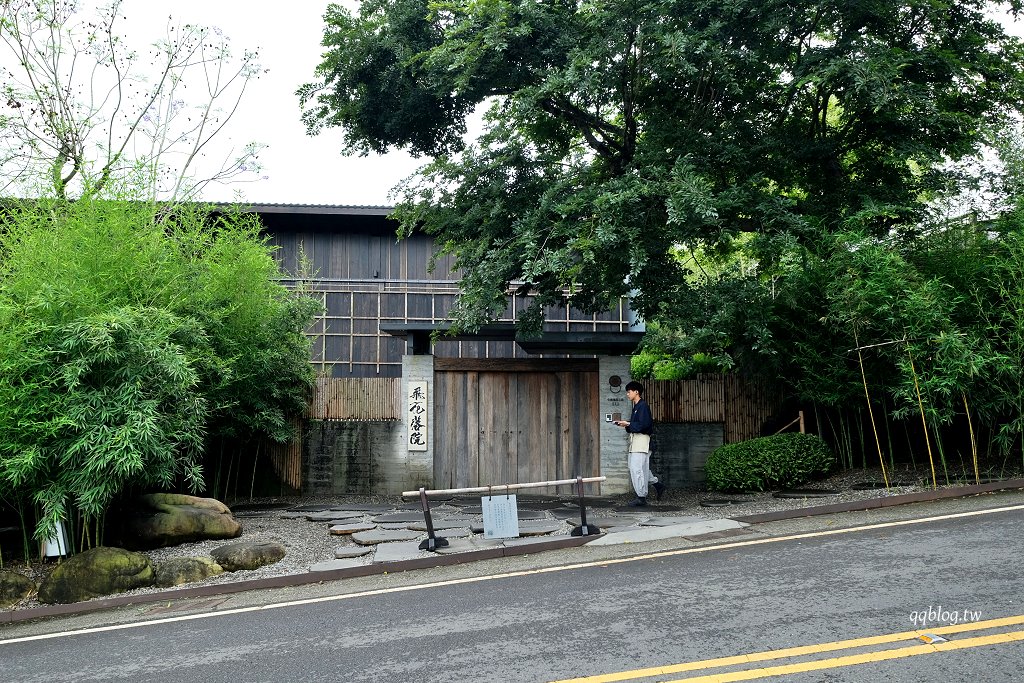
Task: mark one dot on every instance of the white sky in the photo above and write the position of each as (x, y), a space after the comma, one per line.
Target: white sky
(298, 168)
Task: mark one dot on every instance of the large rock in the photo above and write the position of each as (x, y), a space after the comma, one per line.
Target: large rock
(96, 572)
(179, 570)
(14, 587)
(162, 519)
(235, 556)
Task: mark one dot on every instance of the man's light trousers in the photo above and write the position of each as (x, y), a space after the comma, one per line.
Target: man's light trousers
(640, 473)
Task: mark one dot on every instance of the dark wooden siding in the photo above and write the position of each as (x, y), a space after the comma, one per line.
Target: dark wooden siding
(363, 276)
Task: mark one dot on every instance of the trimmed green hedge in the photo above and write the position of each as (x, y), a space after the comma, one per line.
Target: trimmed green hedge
(779, 461)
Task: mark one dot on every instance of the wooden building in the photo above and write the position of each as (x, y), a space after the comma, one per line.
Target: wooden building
(500, 409)
(365, 277)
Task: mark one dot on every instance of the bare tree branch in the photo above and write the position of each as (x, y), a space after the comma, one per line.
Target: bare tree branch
(82, 115)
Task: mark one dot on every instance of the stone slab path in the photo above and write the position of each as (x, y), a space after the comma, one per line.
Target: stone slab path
(391, 533)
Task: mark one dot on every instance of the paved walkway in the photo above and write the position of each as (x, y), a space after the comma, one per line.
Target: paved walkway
(552, 519)
(373, 534)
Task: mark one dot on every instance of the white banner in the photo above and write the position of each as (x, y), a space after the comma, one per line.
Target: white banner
(417, 416)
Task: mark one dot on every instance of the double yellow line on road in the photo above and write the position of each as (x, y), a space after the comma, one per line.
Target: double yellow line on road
(820, 664)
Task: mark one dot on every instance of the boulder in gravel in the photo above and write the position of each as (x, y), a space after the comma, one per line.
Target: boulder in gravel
(179, 570)
(14, 587)
(96, 572)
(156, 520)
(246, 555)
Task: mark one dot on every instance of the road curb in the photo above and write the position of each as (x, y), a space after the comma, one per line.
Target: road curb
(887, 501)
(557, 543)
(291, 580)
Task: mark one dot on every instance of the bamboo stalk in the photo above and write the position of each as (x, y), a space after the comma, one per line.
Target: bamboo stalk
(924, 423)
(974, 443)
(871, 412)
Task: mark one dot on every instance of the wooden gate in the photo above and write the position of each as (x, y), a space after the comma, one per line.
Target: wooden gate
(508, 421)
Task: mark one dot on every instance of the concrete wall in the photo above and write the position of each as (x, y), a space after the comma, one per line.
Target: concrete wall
(614, 442)
(417, 467)
(340, 457)
(679, 451)
(351, 457)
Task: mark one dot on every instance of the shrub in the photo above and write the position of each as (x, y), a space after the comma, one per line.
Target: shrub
(131, 338)
(778, 461)
(641, 365)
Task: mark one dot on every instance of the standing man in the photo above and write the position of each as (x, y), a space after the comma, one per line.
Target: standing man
(639, 427)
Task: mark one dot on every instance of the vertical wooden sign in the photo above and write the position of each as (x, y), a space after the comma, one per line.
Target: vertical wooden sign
(417, 416)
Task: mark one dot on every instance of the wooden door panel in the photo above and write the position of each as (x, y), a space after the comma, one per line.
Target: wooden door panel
(496, 447)
(508, 427)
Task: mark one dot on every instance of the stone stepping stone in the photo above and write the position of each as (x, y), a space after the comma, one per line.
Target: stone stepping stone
(293, 515)
(384, 536)
(348, 529)
(343, 514)
(538, 504)
(396, 552)
(627, 510)
(399, 517)
(340, 563)
(805, 493)
(350, 551)
(604, 521)
(326, 516)
(618, 529)
(478, 527)
(671, 521)
(465, 545)
(538, 529)
(461, 519)
(569, 513)
(394, 525)
(473, 510)
(440, 524)
(463, 532)
(357, 507)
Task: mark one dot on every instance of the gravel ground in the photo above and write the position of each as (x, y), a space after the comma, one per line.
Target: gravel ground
(307, 543)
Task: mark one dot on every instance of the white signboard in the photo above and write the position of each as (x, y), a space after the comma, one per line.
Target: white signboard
(501, 516)
(417, 416)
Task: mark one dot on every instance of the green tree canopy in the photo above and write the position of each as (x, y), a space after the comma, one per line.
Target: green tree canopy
(616, 131)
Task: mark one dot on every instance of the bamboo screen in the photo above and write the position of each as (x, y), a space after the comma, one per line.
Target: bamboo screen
(286, 458)
(742, 405)
(356, 398)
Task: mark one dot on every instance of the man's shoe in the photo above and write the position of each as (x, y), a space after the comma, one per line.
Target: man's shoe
(659, 490)
(639, 503)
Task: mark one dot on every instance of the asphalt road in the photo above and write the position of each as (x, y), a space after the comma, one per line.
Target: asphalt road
(665, 610)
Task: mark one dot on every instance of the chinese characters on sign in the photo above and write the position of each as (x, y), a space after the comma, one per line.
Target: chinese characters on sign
(416, 416)
(501, 516)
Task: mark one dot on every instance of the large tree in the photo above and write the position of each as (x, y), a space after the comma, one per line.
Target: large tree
(617, 131)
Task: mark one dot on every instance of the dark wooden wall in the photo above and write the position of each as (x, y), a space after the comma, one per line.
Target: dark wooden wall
(364, 276)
